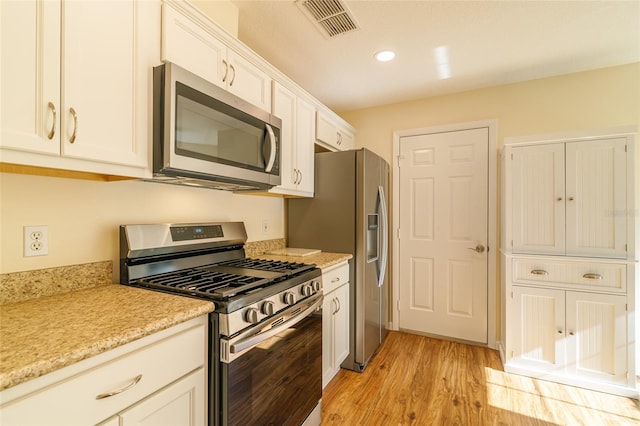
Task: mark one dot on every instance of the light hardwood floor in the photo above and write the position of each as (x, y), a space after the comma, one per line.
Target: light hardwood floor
(417, 380)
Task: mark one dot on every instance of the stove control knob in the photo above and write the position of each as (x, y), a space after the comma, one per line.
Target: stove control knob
(267, 307)
(251, 315)
(306, 290)
(289, 298)
(316, 286)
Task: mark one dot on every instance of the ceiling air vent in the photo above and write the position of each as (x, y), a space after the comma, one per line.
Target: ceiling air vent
(331, 17)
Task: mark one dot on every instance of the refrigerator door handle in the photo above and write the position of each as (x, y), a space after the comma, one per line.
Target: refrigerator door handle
(385, 236)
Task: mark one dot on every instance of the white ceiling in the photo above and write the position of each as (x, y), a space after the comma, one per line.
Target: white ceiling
(489, 43)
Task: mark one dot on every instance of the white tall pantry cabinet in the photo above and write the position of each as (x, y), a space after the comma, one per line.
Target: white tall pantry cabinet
(569, 259)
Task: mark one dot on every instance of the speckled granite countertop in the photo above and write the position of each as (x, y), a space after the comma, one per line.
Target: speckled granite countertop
(41, 335)
(322, 260)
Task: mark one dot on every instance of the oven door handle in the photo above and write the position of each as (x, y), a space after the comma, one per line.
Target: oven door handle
(264, 335)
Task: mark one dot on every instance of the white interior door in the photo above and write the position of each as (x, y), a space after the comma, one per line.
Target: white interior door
(443, 184)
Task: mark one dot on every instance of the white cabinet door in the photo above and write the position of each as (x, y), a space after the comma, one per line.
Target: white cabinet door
(328, 306)
(305, 131)
(284, 107)
(536, 328)
(30, 76)
(597, 336)
(332, 134)
(341, 326)
(248, 82)
(179, 404)
(192, 45)
(596, 198)
(335, 331)
(99, 79)
(538, 199)
(296, 142)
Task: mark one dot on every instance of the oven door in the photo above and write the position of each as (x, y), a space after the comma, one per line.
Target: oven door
(272, 374)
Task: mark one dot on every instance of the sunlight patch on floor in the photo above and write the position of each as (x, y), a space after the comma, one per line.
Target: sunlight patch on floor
(556, 403)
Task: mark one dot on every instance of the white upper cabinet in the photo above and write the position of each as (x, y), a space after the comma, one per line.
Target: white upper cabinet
(333, 133)
(570, 198)
(75, 88)
(30, 87)
(193, 45)
(296, 137)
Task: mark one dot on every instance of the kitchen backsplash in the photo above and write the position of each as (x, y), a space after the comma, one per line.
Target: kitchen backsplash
(20, 286)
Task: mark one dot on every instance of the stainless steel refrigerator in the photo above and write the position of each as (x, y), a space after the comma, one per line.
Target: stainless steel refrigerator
(348, 214)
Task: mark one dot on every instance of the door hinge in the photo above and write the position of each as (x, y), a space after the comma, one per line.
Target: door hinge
(511, 242)
(626, 307)
(625, 148)
(398, 233)
(512, 294)
(512, 155)
(400, 157)
(625, 247)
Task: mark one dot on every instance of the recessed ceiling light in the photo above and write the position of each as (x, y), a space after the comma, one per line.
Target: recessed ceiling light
(441, 57)
(385, 55)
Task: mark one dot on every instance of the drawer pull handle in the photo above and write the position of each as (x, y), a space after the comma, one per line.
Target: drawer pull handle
(116, 392)
(335, 280)
(592, 276)
(539, 272)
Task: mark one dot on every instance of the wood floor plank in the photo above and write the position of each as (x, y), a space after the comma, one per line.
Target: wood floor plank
(416, 380)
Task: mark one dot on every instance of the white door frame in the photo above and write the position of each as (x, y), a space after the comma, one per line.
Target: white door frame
(493, 255)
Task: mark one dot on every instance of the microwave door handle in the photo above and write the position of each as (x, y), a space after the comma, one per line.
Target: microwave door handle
(272, 149)
(385, 236)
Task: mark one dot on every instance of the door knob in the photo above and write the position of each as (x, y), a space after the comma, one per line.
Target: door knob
(478, 249)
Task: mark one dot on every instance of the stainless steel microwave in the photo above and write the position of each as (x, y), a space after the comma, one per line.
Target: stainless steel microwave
(205, 136)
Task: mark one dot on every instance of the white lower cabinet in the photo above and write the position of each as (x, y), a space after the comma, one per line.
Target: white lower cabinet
(177, 404)
(157, 380)
(579, 336)
(335, 320)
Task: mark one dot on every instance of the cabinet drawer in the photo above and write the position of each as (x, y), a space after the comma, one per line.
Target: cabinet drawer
(335, 276)
(584, 275)
(74, 399)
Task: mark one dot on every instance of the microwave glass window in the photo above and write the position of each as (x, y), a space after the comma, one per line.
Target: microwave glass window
(205, 133)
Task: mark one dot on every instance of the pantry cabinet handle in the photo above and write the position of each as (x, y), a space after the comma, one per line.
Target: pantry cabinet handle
(539, 272)
(592, 276)
(52, 132)
(116, 392)
(226, 70)
(335, 280)
(300, 178)
(72, 139)
(233, 77)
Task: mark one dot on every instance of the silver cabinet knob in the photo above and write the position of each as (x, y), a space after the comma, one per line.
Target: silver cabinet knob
(251, 316)
(267, 307)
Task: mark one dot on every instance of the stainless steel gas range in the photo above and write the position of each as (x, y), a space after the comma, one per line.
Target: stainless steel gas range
(265, 335)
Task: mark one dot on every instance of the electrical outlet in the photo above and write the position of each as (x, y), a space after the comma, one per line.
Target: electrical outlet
(36, 241)
(265, 226)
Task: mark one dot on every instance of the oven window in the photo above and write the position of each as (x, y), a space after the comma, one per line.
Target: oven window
(277, 382)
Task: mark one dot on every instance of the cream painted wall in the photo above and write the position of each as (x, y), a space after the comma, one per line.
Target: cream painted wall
(589, 100)
(83, 216)
(223, 12)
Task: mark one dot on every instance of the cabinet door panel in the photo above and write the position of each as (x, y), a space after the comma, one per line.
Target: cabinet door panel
(597, 336)
(99, 77)
(180, 404)
(538, 199)
(284, 107)
(341, 325)
(305, 134)
(328, 306)
(190, 46)
(596, 206)
(248, 81)
(30, 76)
(536, 328)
